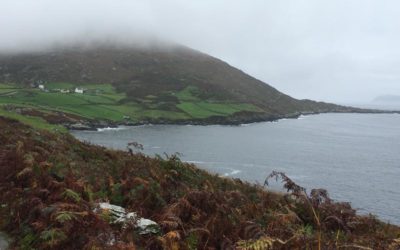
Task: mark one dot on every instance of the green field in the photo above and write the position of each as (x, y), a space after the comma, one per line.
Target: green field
(35, 122)
(195, 107)
(103, 102)
(59, 85)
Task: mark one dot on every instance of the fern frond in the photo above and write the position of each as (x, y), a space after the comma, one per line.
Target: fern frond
(52, 237)
(263, 243)
(65, 216)
(71, 194)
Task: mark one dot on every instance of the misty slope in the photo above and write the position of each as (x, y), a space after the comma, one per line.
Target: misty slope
(159, 73)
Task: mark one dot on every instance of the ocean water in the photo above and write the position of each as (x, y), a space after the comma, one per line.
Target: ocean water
(356, 157)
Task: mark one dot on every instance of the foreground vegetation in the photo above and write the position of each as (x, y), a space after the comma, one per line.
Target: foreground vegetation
(50, 184)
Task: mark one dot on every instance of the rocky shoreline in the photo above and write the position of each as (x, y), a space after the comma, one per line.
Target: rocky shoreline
(235, 120)
(75, 122)
(215, 120)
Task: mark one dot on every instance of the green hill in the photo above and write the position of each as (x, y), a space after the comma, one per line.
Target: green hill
(159, 84)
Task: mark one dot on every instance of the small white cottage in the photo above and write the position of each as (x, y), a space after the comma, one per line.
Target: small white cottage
(79, 90)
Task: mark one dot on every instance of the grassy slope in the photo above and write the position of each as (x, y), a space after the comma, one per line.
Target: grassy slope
(35, 122)
(50, 183)
(101, 101)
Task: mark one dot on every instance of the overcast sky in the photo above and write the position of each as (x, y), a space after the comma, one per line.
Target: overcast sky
(342, 50)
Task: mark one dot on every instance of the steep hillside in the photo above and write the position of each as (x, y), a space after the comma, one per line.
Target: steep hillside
(51, 186)
(157, 84)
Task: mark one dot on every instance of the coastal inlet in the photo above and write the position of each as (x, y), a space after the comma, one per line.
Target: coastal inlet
(354, 156)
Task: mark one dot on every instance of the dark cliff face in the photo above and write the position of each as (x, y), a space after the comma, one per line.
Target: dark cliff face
(152, 71)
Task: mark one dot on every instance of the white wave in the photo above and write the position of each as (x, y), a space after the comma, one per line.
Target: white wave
(233, 172)
(110, 129)
(302, 117)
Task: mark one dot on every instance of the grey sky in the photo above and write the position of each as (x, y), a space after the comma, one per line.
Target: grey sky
(341, 50)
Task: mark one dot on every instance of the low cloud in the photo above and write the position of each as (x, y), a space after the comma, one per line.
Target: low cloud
(343, 51)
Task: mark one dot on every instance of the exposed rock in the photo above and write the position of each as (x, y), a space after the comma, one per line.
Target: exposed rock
(120, 216)
(79, 126)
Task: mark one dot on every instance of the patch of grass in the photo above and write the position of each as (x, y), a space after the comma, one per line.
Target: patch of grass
(162, 114)
(8, 89)
(35, 122)
(59, 85)
(132, 110)
(195, 107)
(195, 111)
(5, 92)
(8, 86)
(58, 100)
(94, 112)
(115, 97)
(94, 99)
(189, 94)
(104, 88)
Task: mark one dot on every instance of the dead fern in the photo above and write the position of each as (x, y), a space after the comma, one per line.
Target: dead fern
(263, 243)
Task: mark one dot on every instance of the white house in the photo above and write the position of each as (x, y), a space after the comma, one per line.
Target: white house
(65, 91)
(79, 90)
(41, 86)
